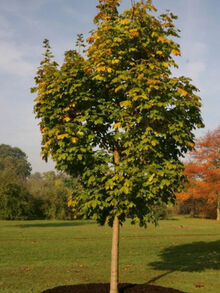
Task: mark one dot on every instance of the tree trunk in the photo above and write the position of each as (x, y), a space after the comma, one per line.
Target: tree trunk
(115, 257)
(218, 209)
(115, 244)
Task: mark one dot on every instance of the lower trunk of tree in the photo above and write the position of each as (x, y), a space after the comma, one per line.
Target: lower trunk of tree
(218, 209)
(115, 257)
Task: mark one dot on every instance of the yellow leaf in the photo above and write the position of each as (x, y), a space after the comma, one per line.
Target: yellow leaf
(121, 87)
(108, 51)
(67, 119)
(80, 133)
(117, 40)
(41, 102)
(125, 21)
(80, 157)
(90, 39)
(152, 81)
(117, 125)
(140, 76)
(101, 68)
(151, 66)
(99, 77)
(159, 52)
(115, 61)
(167, 24)
(135, 98)
(125, 103)
(176, 52)
(191, 144)
(153, 7)
(62, 136)
(124, 190)
(132, 50)
(115, 178)
(74, 139)
(69, 202)
(44, 129)
(134, 33)
(151, 178)
(165, 64)
(182, 92)
(48, 143)
(162, 39)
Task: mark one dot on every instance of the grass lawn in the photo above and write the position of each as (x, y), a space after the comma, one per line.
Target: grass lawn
(181, 253)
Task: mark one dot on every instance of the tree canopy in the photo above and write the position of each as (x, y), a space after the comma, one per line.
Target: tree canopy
(203, 171)
(15, 200)
(15, 159)
(116, 116)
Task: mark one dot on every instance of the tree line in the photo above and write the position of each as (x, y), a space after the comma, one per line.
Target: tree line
(26, 196)
(52, 195)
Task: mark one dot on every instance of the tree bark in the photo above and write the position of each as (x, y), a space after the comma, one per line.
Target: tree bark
(115, 244)
(218, 209)
(115, 257)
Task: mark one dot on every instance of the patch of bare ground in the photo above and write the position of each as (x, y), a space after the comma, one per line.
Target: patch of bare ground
(104, 288)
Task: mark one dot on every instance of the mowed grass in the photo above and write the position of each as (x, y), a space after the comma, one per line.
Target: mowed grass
(181, 253)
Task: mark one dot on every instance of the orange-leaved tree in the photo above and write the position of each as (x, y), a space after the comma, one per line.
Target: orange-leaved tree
(203, 171)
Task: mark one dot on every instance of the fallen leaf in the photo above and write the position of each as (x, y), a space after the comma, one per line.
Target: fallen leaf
(27, 269)
(199, 286)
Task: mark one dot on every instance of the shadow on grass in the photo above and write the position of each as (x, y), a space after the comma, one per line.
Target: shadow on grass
(191, 257)
(170, 219)
(55, 224)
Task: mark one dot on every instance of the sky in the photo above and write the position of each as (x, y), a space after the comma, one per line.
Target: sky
(24, 24)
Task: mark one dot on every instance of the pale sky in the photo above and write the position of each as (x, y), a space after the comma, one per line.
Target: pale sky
(24, 24)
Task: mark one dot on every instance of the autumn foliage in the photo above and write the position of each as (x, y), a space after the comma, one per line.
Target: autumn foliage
(117, 118)
(203, 172)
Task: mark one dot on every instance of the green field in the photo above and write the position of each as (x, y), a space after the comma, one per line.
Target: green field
(182, 253)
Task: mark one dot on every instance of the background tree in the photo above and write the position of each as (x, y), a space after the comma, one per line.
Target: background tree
(51, 193)
(31, 196)
(118, 118)
(15, 159)
(203, 172)
(15, 200)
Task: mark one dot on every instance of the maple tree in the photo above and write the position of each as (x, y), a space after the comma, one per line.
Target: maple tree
(118, 118)
(203, 170)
